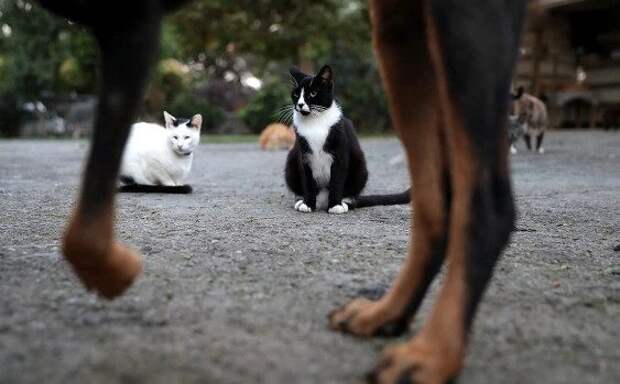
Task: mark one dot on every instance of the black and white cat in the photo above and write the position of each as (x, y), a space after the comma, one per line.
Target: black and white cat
(157, 159)
(326, 167)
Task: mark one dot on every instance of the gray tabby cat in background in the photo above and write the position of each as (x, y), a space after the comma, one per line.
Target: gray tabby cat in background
(515, 131)
(529, 114)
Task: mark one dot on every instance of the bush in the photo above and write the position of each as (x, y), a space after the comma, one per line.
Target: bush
(358, 89)
(72, 75)
(172, 76)
(186, 105)
(264, 107)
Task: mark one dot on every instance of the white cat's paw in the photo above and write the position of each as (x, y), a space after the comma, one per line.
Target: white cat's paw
(302, 207)
(513, 150)
(339, 209)
(541, 150)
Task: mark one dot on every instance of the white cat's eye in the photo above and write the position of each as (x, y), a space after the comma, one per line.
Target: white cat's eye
(186, 137)
(175, 137)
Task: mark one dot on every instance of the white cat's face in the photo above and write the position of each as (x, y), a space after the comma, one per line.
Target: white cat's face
(183, 134)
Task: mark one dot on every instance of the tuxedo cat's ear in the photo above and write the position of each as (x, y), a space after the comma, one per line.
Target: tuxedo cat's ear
(169, 119)
(325, 75)
(296, 76)
(196, 121)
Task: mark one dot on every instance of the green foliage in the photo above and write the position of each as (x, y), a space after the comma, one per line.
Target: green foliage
(272, 35)
(72, 75)
(263, 108)
(207, 40)
(186, 105)
(3, 71)
(36, 48)
(170, 44)
(171, 76)
(82, 50)
(270, 30)
(41, 53)
(359, 90)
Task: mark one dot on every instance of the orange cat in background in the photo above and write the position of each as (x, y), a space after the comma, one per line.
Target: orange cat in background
(276, 136)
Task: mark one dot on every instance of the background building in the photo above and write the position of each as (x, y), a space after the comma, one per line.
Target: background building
(570, 57)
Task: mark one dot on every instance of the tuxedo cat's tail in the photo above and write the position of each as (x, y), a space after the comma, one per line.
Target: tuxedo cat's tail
(141, 188)
(373, 200)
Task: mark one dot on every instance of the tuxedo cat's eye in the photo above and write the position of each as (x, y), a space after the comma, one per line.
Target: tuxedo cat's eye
(313, 94)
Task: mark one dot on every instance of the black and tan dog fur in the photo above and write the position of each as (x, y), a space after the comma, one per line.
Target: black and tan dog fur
(446, 66)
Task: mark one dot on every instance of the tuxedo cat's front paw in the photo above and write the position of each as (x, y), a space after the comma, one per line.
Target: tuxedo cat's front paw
(301, 206)
(339, 208)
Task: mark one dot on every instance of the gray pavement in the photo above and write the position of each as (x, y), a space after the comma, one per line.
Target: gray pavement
(237, 285)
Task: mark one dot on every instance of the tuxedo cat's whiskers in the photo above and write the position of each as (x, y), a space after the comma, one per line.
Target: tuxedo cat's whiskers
(279, 114)
(285, 117)
(316, 110)
(285, 114)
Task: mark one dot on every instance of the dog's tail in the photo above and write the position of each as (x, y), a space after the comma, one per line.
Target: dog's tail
(141, 188)
(374, 200)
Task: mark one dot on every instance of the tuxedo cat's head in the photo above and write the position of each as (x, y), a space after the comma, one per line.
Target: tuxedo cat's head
(183, 134)
(312, 94)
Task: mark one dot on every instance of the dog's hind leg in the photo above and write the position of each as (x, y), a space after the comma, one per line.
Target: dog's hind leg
(473, 46)
(399, 35)
(128, 46)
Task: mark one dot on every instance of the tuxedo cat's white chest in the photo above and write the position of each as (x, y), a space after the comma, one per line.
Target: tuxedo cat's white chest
(315, 130)
(320, 162)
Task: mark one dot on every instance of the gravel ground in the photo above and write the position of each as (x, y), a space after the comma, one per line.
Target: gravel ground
(237, 284)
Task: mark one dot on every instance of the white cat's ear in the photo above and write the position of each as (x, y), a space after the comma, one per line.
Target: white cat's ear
(169, 119)
(196, 121)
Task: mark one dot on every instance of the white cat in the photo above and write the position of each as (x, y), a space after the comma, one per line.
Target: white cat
(160, 156)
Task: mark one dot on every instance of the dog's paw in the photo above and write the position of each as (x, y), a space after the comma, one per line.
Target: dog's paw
(109, 273)
(416, 362)
(339, 208)
(301, 206)
(363, 317)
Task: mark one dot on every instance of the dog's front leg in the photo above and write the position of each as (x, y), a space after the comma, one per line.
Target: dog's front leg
(128, 47)
(471, 85)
